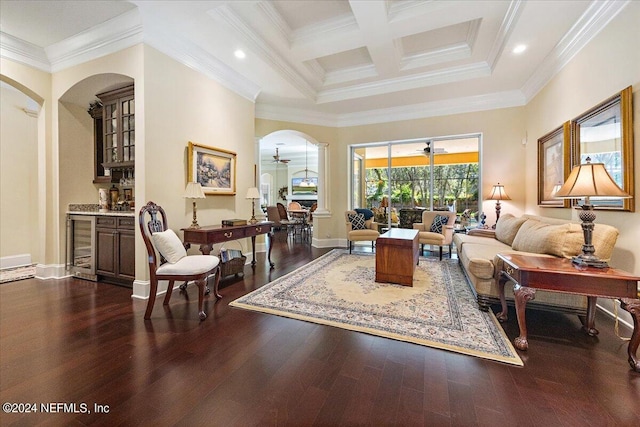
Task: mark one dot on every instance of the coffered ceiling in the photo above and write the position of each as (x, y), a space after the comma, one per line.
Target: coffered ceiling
(331, 62)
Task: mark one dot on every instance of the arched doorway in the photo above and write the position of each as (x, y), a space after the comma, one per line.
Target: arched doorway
(291, 167)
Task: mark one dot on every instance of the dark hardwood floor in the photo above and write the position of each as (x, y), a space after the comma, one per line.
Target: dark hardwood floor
(77, 342)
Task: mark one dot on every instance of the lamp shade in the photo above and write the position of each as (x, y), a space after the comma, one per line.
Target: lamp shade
(194, 191)
(587, 180)
(253, 193)
(498, 193)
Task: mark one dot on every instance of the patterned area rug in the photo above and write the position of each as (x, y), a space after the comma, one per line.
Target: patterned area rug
(339, 289)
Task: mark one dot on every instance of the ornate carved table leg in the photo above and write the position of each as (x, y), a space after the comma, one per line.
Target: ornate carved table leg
(216, 283)
(502, 316)
(589, 325)
(205, 249)
(633, 307)
(522, 296)
(270, 235)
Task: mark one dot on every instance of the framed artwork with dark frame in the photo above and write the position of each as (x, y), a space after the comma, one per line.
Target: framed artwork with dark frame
(605, 135)
(553, 165)
(213, 168)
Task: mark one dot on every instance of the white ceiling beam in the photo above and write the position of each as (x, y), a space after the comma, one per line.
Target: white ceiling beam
(373, 22)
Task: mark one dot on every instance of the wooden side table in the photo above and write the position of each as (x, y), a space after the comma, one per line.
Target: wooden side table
(561, 275)
(397, 255)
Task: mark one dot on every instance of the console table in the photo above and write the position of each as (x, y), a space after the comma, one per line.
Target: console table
(209, 235)
(559, 274)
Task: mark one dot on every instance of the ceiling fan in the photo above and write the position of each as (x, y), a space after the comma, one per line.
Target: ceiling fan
(277, 159)
(437, 150)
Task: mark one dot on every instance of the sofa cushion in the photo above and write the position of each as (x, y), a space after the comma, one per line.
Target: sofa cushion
(480, 258)
(507, 228)
(541, 238)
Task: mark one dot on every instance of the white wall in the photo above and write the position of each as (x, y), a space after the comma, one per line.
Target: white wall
(603, 68)
(18, 175)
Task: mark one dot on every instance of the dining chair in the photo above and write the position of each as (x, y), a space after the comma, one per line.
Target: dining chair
(173, 263)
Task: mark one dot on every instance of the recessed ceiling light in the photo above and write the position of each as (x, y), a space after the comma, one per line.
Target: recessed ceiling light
(239, 54)
(519, 48)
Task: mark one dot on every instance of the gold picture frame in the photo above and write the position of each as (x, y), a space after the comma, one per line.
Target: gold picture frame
(604, 133)
(553, 165)
(213, 168)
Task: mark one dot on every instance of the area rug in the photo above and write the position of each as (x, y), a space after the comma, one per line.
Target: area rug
(339, 289)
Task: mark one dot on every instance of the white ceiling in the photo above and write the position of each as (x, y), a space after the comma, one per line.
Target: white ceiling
(330, 62)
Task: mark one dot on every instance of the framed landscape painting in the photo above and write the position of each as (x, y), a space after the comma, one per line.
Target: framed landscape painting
(213, 168)
(553, 165)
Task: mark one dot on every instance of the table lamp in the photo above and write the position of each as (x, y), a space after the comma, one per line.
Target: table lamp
(253, 194)
(589, 180)
(498, 194)
(194, 191)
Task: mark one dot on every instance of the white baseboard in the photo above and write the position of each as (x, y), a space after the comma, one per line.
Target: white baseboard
(13, 261)
(621, 314)
(51, 271)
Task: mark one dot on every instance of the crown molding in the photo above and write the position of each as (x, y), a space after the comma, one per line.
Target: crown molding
(295, 115)
(491, 101)
(342, 24)
(121, 32)
(437, 56)
(350, 74)
(196, 58)
(23, 52)
(224, 13)
(276, 20)
(447, 107)
(506, 28)
(593, 20)
(413, 81)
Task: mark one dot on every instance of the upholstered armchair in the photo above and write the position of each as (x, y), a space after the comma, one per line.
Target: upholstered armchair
(360, 229)
(436, 228)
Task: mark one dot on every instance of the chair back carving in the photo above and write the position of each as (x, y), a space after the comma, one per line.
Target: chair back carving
(154, 225)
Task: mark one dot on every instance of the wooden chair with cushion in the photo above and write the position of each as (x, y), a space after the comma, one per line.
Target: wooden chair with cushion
(436, 228)
(294, 206)
(174, 263)
(274, 215)
(360, 229)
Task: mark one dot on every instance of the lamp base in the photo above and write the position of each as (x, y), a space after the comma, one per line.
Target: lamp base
(194, 226)
(587, 261)
(587, 258)
(253, 220)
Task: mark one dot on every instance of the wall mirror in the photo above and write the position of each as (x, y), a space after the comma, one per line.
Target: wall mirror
(605, 134)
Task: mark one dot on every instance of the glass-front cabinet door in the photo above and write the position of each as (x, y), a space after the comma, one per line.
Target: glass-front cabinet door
(119, 128)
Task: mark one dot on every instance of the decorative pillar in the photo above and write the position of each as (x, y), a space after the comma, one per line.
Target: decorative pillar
(323, 174)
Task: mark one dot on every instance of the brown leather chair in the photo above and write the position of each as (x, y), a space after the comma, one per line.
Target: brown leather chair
(174, 263)
(428, 237)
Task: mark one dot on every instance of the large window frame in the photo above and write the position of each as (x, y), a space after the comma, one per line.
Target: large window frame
(436, 143)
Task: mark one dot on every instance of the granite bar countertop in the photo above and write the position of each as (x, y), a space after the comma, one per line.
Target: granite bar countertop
(94, 209)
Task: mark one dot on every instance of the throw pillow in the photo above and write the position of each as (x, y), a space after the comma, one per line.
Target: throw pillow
(357, 221)
(169, 245)
(438, 222)
(541, 238)
(507, 228)
(368, 213)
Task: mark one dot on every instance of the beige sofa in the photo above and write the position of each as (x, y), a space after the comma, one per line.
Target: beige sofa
(533, 235)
